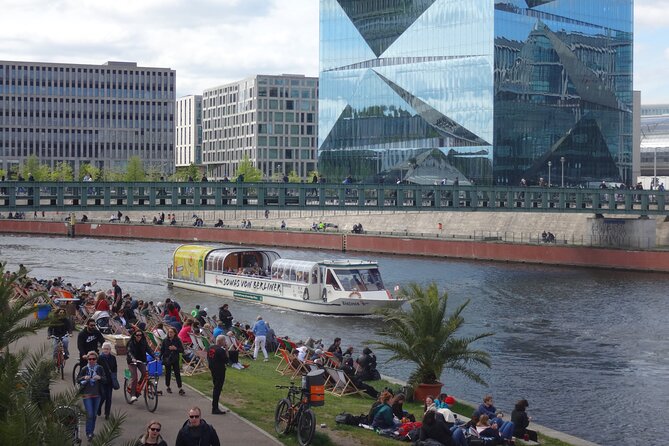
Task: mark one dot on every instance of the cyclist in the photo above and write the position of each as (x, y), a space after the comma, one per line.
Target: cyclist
(59, 329)
(89, 339)
(138, 348)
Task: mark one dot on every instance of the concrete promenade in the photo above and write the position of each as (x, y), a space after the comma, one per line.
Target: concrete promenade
(172, 408)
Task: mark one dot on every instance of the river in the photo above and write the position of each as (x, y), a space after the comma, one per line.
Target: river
(589, 349)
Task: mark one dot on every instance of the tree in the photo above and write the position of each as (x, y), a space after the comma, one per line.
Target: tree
(183, 173)
(293, 177)
(425, 336)
(62, 172)
(26, 405)
(251, 173)
(89, 169)
(135, 170)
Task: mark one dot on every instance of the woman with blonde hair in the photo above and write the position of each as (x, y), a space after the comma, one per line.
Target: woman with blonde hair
(152, 435)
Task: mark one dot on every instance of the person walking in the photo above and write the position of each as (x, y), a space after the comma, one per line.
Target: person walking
(217, 358)
(91, 378)
(196, 431)
(170, 350)
(117, 294)
(225, 316)
(138, 348)
(108, 363)
(260, 332)
(88, 339)
(152, 435)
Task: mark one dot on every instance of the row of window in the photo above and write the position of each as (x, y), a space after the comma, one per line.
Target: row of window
(101, 150)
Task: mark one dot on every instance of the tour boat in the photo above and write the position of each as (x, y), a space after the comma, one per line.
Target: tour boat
(342, 287)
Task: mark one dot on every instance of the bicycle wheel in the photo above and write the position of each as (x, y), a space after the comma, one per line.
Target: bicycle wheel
(126, 390)
(306, 427)
(151, 395)
(61, 365)
(75, 372)
(283, 417)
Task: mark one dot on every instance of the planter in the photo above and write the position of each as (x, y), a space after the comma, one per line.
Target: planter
(422, 391)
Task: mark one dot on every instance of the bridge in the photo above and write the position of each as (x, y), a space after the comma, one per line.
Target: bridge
(183, 196)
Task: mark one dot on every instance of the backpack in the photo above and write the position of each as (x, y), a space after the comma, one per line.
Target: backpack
(350, 419)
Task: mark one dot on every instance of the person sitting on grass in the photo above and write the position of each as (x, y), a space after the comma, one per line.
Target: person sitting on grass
(383, 414)
(435, 428)
(396, 403)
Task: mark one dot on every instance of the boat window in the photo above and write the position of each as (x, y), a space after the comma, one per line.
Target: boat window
(360, 279)
(330, 280)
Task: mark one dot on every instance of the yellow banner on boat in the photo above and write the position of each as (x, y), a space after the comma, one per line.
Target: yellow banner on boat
(189, 262)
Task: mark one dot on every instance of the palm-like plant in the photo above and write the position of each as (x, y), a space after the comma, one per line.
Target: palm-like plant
(28, 412)
(425, 335)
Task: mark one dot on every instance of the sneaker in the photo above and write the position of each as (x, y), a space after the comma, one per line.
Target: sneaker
(133, 399)
(218, 412)
(168, 390)
(182, 392)
(266, 360)
(89, 436)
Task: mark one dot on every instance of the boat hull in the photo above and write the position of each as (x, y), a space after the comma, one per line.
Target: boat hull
(353, 306)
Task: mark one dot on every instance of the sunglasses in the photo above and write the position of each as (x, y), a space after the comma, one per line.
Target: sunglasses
(154, 429)
(193, 416)
(92, 359)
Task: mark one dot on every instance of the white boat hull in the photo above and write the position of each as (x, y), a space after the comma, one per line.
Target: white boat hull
(347, 306)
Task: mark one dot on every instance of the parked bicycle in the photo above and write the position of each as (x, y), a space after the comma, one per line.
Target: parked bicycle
(148, 385)
(294, 413)
(59, 356)
(69, 417)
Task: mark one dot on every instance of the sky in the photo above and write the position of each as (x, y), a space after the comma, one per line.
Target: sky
(213, 42)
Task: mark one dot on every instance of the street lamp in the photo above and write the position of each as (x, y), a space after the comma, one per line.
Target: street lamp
(549, 173)
(562, 162)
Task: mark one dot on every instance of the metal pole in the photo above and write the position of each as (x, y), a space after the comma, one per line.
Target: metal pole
(562, 161)
(549, 173)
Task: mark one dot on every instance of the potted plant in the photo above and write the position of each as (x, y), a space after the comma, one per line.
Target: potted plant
(426, 336)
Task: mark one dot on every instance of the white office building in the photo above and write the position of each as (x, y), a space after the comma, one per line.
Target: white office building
(272, 120)
(188, 131)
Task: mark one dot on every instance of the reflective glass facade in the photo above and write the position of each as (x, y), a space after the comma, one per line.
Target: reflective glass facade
(486, 90)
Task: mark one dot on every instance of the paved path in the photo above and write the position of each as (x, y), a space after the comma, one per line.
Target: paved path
(172, 408)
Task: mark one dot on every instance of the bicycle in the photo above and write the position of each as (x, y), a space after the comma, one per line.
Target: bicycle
(69, 417)
(147, 385)
(293, 413)
(59, 355)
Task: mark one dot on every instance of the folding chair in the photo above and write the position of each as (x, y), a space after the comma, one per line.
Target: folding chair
(289, 366)
(331, 360)
(198, 362)
(341, 384)
(154, 342)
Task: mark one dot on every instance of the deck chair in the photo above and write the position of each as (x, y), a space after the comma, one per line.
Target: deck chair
(154, 342)
(198, 362)
(340, 384)
(289, 367)
(331, 360)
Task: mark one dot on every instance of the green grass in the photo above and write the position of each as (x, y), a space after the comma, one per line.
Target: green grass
(251, 394)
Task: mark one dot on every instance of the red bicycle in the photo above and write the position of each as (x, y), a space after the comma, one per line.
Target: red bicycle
(148, 385)
(59, 355)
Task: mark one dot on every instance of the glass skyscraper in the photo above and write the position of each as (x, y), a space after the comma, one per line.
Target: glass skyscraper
(489, 91)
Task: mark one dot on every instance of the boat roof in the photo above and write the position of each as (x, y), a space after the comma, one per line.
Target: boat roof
(202, 251)
(348, 263)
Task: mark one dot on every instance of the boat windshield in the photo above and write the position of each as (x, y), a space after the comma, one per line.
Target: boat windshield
(360, 279)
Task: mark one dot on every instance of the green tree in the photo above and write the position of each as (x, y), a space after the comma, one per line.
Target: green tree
(3, 173)
(111, 174)
(293, 177)
(62, 172)
(183, 173)
(89, 169)
(26, 405)
(426, 336)
(251, 173)
(135, 170)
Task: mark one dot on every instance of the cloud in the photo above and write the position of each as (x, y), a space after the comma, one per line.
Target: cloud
(652, 13)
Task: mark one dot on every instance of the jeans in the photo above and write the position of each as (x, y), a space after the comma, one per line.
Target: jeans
(91, 405)
(66, 346)
(259, 342)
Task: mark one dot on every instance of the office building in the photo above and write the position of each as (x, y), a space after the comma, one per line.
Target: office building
(98, 114)
(188, 131)
(655, 140)
(490, 91)
(271, 120)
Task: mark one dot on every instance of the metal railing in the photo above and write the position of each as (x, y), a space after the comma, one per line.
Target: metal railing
(93, 196)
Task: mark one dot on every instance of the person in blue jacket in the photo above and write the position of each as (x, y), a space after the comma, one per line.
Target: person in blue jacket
(260, 331)
(383, 414)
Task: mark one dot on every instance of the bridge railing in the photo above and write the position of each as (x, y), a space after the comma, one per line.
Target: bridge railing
(102, 196)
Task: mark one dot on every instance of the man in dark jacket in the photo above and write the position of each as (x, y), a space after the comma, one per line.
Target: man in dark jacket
(88, 339)
(367, 366)
(217, 357)
(225, 316)
(196, 431)
(60, 329)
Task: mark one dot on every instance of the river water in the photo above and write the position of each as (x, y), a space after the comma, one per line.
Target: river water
(589, 349)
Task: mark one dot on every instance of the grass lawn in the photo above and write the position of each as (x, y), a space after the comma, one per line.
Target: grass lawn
(251, 394)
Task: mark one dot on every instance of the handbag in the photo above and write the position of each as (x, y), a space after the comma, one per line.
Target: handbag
(115, 384)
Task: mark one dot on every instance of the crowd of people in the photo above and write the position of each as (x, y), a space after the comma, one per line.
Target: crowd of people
(230, 341)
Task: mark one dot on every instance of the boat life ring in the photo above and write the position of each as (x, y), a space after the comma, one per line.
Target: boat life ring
(355, 294)
(305, 296)
(324, 296)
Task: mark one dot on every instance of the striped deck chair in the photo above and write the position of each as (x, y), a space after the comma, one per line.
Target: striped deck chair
(198, 362)
(290, 366)
(339, 384)
(154, 342)
(282, 345)
(331, 360)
